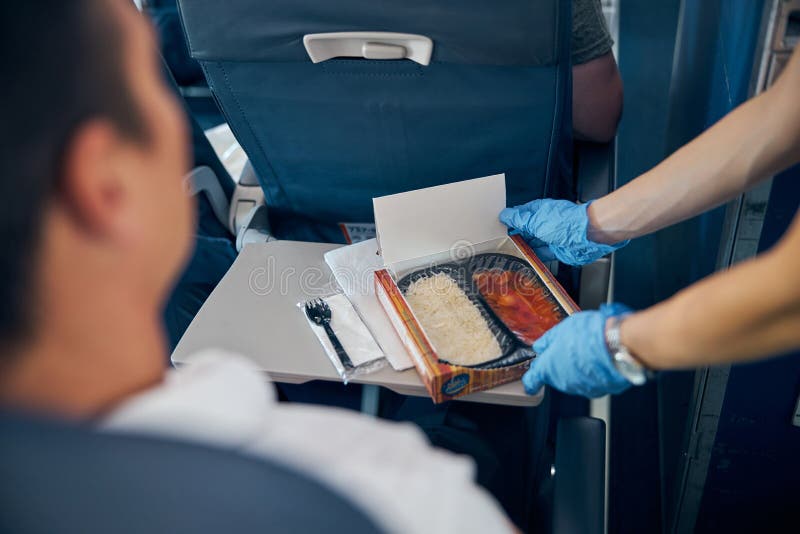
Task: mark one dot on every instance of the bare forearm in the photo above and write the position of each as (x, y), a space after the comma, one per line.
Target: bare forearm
(753, 142)
(747, 312)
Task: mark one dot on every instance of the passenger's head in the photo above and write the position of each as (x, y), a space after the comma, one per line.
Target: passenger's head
(92, 151)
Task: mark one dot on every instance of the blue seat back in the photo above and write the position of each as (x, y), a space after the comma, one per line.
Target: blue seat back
(57, 478)
(326, 138)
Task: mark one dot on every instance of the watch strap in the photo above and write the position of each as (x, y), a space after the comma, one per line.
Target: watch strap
(621, 357)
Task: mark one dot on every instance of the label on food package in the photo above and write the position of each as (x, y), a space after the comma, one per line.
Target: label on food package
(456, 384)
(357, 232)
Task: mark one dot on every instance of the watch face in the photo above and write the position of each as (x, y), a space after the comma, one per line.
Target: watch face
(629, 368)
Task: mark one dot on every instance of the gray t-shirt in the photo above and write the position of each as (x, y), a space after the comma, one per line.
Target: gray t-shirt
(590, 36)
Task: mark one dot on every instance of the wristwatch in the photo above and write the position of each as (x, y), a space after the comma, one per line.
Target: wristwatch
(625, 362)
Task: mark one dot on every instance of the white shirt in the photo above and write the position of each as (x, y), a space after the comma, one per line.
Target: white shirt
(387, 469)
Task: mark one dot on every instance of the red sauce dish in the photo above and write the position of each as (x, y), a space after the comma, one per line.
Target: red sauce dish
(523, 304)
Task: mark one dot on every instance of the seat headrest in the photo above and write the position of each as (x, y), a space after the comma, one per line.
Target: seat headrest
(513, 32)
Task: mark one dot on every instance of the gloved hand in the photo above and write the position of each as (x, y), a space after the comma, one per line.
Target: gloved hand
(573, 357)
(557, 229)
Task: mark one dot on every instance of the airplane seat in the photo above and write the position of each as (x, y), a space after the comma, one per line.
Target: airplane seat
(68, 478)
(325, 135)
(336, 103)
(72, 479)
(164, 14)
(330, 118)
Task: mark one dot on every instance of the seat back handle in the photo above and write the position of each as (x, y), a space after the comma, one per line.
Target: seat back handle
(368, 45)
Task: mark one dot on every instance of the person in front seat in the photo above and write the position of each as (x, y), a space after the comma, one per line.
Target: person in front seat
(95, 225)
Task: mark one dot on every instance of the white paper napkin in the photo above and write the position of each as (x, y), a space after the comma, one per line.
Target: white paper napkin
(351, 332)
(354, 267)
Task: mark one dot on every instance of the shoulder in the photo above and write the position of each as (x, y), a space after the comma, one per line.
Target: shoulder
(389, 469)
(590, 36)
(216, 397)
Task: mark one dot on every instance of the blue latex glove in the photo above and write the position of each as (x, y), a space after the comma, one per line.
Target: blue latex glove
(556, 229)
(573, 357)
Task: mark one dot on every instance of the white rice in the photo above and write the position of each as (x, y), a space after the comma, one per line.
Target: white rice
(453, 324)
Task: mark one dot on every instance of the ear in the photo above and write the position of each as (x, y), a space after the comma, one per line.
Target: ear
(93, 181)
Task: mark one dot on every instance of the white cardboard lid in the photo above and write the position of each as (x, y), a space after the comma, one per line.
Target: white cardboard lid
(432, 220)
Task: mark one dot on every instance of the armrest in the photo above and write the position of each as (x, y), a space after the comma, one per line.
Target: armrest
(595, 176)
(595, 169)
(579, 492)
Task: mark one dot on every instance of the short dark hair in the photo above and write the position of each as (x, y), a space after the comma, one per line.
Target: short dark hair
(63, 65)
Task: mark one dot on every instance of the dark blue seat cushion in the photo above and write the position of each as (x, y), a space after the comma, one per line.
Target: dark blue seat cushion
(67, 479)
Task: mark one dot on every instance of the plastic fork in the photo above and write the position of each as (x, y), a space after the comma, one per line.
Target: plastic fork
(320, 314)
